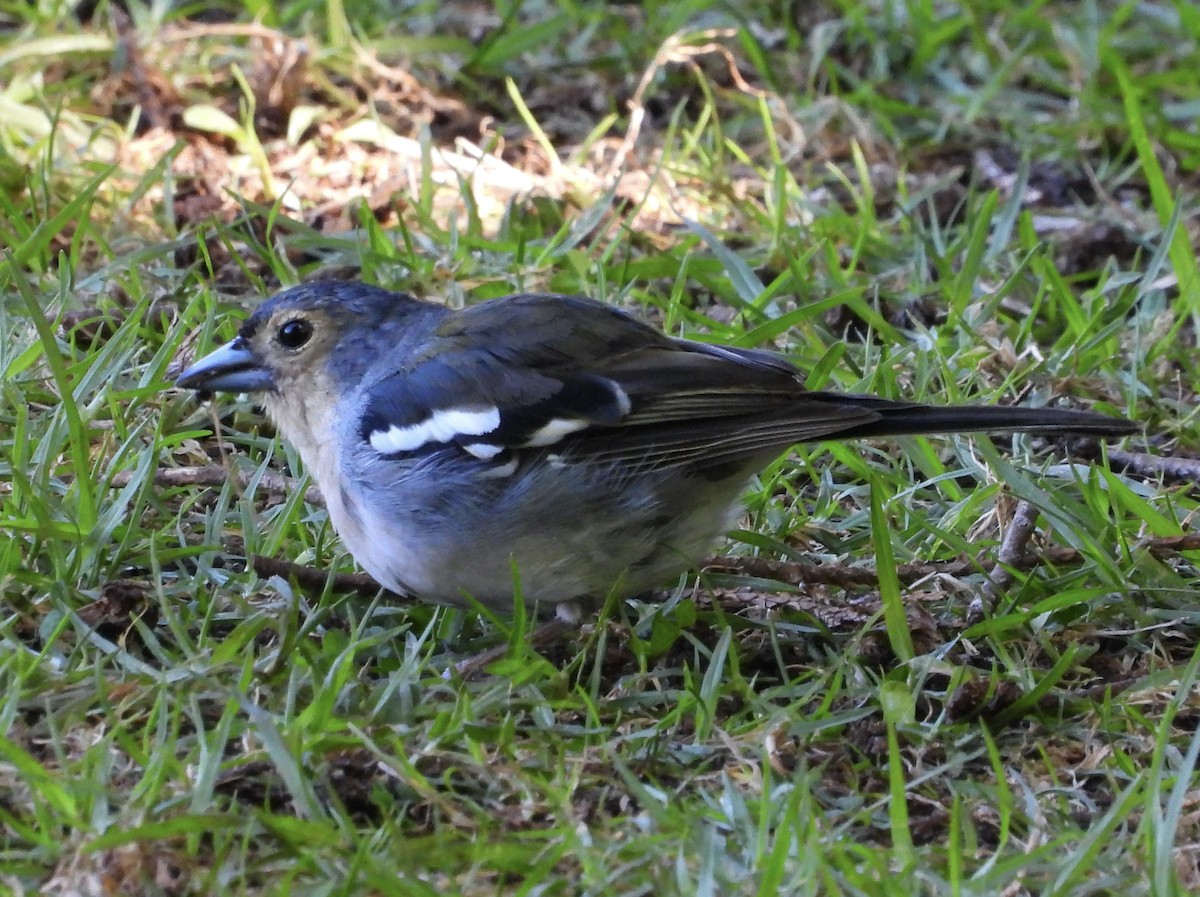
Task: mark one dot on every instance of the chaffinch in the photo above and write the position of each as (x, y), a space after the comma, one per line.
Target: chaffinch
(551, 441)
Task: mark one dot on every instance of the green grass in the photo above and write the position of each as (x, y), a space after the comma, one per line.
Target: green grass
(950, 202)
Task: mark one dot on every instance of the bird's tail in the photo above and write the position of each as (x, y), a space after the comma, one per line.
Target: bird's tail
(905, 418)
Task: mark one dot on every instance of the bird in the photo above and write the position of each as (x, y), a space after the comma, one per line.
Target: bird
(546, 448)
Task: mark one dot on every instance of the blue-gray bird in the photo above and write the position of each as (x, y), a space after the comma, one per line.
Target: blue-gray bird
(545, 439)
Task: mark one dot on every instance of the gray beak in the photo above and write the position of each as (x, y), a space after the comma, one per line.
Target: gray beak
(231, 368)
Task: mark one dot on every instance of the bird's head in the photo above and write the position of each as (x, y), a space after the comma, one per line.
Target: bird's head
(316, 331)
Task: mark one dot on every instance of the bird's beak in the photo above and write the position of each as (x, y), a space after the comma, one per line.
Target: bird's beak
(231, 368)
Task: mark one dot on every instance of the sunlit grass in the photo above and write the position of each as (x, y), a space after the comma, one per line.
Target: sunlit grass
(849, 184)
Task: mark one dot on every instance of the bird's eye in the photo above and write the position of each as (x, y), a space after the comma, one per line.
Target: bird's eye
(294, 333)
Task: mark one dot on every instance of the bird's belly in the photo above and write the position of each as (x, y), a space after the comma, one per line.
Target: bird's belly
(394, 551)
(548, 542)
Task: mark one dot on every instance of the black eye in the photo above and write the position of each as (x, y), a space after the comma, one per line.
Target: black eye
(294, 333)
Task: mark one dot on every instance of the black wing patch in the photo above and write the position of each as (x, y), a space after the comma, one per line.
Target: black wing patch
(487, 412)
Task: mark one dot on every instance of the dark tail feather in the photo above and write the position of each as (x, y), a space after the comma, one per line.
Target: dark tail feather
(907, 418)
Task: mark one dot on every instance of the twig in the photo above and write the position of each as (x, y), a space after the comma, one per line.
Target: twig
(1012, 550)
(1166, 546)
(796, 573)
(1186, 470)
(543, 636)
(315, 579)
(216, 476)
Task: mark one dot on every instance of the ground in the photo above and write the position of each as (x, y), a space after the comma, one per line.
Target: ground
(959, 666)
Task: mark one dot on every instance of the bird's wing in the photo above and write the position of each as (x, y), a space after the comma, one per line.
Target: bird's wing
(589, 383)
